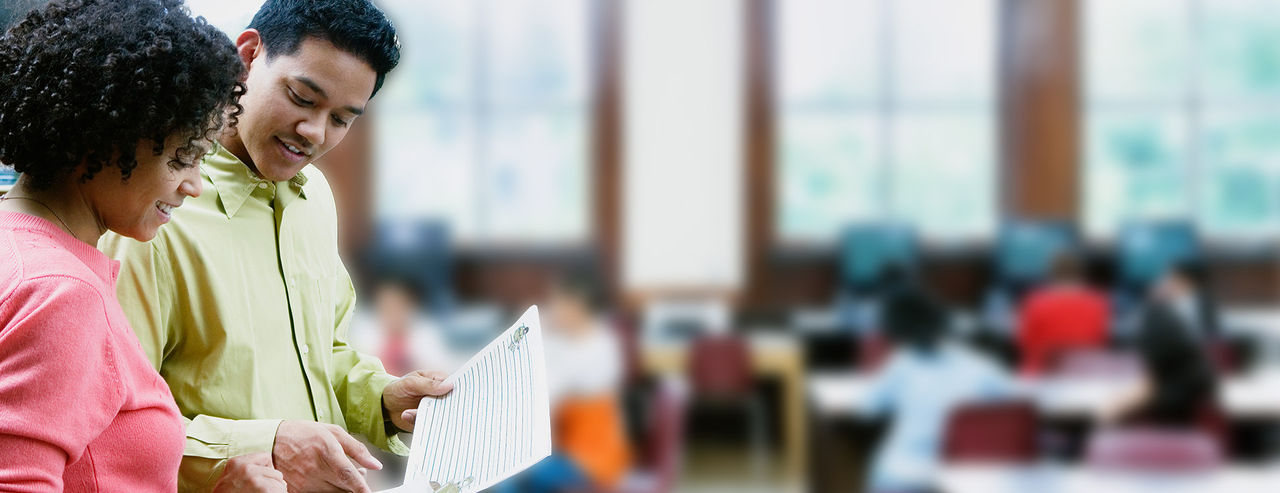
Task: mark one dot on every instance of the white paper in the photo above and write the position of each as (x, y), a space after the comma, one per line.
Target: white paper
(495, 423)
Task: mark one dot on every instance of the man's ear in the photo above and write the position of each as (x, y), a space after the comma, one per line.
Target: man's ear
(249, 46)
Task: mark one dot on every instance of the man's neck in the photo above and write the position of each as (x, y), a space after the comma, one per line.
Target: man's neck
(231, 141)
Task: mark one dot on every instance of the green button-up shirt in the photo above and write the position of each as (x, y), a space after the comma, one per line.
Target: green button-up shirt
(243, 304)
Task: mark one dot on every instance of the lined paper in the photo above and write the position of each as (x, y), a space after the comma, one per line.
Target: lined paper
(495, 423)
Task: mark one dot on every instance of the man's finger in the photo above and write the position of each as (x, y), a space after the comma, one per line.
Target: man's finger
(345, 475)
(428, 383)
(356, 451)
(410, 416)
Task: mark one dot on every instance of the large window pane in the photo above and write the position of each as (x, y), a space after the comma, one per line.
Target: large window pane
(538, 51)
(829, 174)
(438, 66)
(1240, 55)
(1183, 113)
(942, 173)
(944, 50)
(886, 110)
(417, 151)
(1137, 167)
(1241, 156)
(535, 188)
(828, 51)
(484, 123)
(1136, 50)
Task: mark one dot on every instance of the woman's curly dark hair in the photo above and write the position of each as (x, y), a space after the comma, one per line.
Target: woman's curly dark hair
(88, 80)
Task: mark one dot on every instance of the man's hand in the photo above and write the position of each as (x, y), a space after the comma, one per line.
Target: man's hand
(401, 397)
(250, 472)
(319, 457)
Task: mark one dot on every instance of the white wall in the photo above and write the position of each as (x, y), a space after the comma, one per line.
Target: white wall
(682, 209)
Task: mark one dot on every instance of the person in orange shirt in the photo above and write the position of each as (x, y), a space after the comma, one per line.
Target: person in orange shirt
(584, 364)
(1065, 314)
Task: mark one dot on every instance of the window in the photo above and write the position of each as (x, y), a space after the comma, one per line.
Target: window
(1182, 113)
(886, 110)
(485, 122)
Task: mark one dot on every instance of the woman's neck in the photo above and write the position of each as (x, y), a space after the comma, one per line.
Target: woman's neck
(62, 204)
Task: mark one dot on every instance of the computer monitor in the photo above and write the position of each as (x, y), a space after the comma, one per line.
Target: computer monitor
(417, 250)
(1145, 249)
(1026, 249)
(868, 250)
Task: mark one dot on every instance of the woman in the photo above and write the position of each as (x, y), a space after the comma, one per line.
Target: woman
(1178, 388)
(105, 107)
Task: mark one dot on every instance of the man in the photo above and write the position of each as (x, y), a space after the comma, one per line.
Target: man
(242, 302)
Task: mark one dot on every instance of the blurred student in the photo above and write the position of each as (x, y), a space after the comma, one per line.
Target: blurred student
(925, 379)
(106, 108)
(1185, 289)
(1066, 313)
(400, 331)
(1178, 386)
(584, 364)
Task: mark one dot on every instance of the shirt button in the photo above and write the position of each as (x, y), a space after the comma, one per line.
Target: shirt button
(262, 185)
(306, 349)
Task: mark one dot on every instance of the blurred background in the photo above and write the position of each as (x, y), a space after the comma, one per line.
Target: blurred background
(840, 245)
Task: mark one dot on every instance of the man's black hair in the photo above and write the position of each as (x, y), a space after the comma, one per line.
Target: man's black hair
(355, 26)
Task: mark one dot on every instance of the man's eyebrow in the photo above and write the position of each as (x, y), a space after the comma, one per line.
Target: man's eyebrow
(316, 87)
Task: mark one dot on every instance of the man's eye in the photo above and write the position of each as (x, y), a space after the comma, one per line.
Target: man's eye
(340, 122)
(298, 99)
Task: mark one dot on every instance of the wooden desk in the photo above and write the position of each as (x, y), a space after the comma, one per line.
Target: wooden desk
(1255, 395)
(772, 355)
(1065, 479)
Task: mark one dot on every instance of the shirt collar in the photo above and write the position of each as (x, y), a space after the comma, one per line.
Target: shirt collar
(235, 182)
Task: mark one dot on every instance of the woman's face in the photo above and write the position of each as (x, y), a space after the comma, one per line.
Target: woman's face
(139, 206)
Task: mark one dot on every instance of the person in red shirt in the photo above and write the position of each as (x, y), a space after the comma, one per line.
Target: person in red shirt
(1066, 313)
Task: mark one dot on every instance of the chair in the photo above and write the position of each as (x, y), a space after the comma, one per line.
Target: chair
(874, 258)
(660, 447)
(1025, 252)
(720, 372)
(1004, 431)
(873, 352)
(1144, 251)
(1153, 450)
(419, 249)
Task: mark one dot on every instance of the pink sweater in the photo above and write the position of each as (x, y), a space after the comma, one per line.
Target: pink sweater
(81, 409)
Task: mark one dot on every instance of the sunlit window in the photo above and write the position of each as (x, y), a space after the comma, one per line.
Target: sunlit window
(485, 122)
(886, 110)
(1182, 113)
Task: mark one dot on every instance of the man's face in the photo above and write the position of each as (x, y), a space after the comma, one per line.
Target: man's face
(297, 106)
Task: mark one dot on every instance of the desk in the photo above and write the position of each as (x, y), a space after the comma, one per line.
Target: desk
(1254, 395)
(772, 355)
(1064, 479)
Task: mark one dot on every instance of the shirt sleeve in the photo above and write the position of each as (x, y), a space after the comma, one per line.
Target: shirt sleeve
(880, 396)
(60, 388)
(359, 378)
